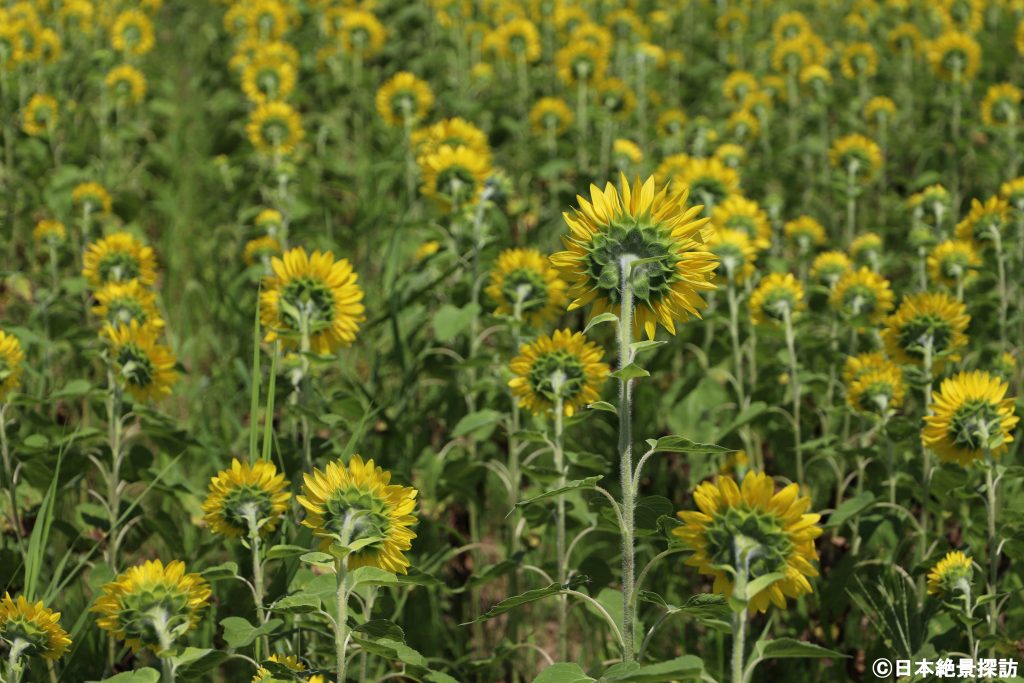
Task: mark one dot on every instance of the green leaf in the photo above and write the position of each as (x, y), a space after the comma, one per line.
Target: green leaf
(529, 596)
(762, 582)
(450, 321)
(599, 319)
(146, 675)
(439, 677)
(390, 649)
(680, 444)
(238, 632)
(228, 570)
(640, 346)
(381, 628)
(76, 388)
(687, 667)
(563, 673)
(318, 558)
(850, 508)
(280, 552)
(631, 371)
(194, 661)
(588, 483)
(300, 603)
(605, 406)
(789, 648)
(476, 423)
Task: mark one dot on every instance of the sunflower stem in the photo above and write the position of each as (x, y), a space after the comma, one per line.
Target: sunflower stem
(739, 636)
(341, 595)
(1004, 299)
(15, 665)
(114, 478)
(794, 381)
(993, 540)
(560, 569)
(5, 453)
(926, 459)
(262, 644)
(625, 330)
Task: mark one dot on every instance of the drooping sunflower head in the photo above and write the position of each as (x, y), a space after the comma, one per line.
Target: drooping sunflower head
(857, 157)
(738, 84)
(877, 390)
(581, 61)
(904, 37)
(267, 77)
(11, 358)
(1001, 105)
(524, 281)
(926, 324)
(736, 253)
(358, 502)
(672, 122)
(118, 257)
(151, 605)
(626, 153)
(789, 25)
(454, 177)
(744, 215)
(791, 55)
(816, 78)
(866, 249)
(879, 109)
(732, 22)
(550, 114)
(1013, 192)
(930, 205)
(955, 56)
(971, 417)
(857, 366)
(275, 128)
(91, 197)
(859, 60)
(829, 267)
(804, 233)
(126, 83)
(361, 32)
(312, 295)
(132, 33)
(778, 295)
(119, 303)
(753, 530)
(244, 497)
(952, 262)
(615, 96)
(404, 97)
(561, 366)
(707, 180)
(261, 250)
(49, 233)
(34, 626)
(732, 155)
(951, 575)
(144, 366)
(453, 132)
(862, 295)
(653, 228)
(514, 41)
(291, 663)
(984, 219)
(40, 115)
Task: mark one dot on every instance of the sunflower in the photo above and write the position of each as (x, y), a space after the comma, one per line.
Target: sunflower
(829, 266)
(453, 132)
(932, 320)
(34, 627)
(857, 157)
(859, 60)
(524, 280)
(789, 25)
(126, 83)
(426, 250)
(804, 232)
(118, 257)
(261, 250)
(581, 61)
(119, 303)
(879, 109)
(738, 84)
(515, 40)
(857, 366)
(753, 530)
(454, 176)
(816, 78)
(904, 38)
(955, 56)
(562, 365)
(672, 122)
(145, 366)
(742, 125)
(91, 198)
(550, 114)
(953, 263)
(617, 227)
(615, 96)
(732, 155)
(790, 56)
(1013, 192)
(40, 116)
(11, 357)
(877, 390)
(404, 97)
(1001, 105)
(49, 232)
(357, 502)
(732, 22)
(267, 78)
(951, 575)
(290, 662)
(776, 294)
(275, 127)
(48, 47)
(245, 492)
(626, 153)
(745, 215)
(132, 33)
(866, 248)
(736, 253)
(151, 605)
(707, 180)
(862, 295)
(930, 205)
(269, 220)
(315, 289)
(361, 32)
(984, 218)
(971, 416)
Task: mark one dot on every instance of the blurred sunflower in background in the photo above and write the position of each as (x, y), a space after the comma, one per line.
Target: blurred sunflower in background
(524, 284)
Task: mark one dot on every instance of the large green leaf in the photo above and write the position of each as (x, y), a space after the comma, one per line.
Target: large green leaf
(789, 648)
(588, 483)
(563, 673)
(528, 597)
(687, 667)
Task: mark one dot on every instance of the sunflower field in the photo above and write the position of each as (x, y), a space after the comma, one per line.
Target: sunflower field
(511, 341)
